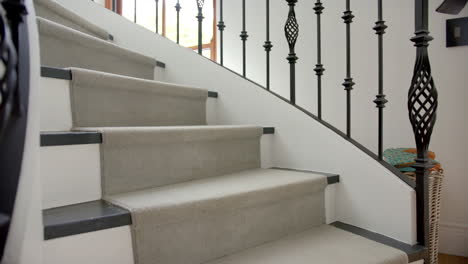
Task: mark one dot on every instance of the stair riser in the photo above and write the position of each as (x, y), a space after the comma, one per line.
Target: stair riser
(43, 11)
(56, 113)
(106, 100)
(55, 105)
(70, 174)
(105, 246)
(164, 158)
(215, 235)
(63, 47)
(65, 53)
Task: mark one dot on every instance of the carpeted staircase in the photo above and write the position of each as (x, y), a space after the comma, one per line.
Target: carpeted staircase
(196, 192)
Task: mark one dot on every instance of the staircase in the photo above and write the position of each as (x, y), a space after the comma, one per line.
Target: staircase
(134, 173)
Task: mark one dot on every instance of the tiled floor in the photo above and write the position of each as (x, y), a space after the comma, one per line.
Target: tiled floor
(447, 259)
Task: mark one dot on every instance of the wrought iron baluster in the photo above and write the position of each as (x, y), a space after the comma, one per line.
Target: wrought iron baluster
(135, 12)
(380, 100)
(319, 66)
(157, 16)
(348, 82)
(114, 6)
(200, 25)
(243, 37)
(221, 27)
(178, 7)
(268, 44)
(291, 30)
(422, 107)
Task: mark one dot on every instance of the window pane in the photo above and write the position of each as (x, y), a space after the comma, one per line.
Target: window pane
(146, 17)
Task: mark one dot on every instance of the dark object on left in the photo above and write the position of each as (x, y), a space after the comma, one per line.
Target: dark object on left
(14, 101)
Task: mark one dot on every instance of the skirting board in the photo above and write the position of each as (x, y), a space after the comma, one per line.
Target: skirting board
(453, 239)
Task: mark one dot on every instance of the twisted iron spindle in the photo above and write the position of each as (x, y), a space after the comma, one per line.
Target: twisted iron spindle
(422, 107)
(348, 81)
(221, 27)
(380, 100)
(178, 7)
(291, 31)
(319, 69)
(243, 37)
(200, 27)
(268, 45)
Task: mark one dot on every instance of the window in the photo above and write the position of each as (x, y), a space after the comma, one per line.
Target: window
(145, 15)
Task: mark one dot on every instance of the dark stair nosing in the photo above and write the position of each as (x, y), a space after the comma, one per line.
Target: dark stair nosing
(111, 37)
(66, 74)
(63, 138)
(332, 178)
(83, 218)
(415, 253)
(212, 94)
(268, 130)
(70, 138)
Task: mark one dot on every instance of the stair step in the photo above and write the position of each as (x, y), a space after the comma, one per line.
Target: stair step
(83, 218)
(64, 47)
(104, 99)
(54, 11)
(228, 213)
(168, 155)
(70, 138)
(63, 138)
(324, 244)
(414, 252)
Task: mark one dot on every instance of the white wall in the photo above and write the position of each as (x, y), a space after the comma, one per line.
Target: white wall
(369, 196)
(449, 69)
(24, 243)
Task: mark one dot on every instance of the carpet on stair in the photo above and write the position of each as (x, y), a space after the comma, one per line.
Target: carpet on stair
(134, 158)
(322, 245)
(201, 220)
(104, 99)
(63, 47)
(52, 10)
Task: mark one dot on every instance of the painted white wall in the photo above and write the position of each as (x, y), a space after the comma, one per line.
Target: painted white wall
(112, 245)
(70, 174)
(24, 242)
(449, 69)
(369, 196)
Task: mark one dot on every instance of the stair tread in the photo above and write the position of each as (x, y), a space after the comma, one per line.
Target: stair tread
(82, 218)
(57, 30)
(170, 134)
(99, 79)
(228, 192)
(76, 21)
(324, 244)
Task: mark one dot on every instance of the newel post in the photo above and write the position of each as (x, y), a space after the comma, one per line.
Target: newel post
(422, 106)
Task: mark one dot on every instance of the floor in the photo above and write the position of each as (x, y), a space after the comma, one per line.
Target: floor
(447, 259)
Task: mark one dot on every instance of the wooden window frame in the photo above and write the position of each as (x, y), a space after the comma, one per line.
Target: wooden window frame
(210, 45)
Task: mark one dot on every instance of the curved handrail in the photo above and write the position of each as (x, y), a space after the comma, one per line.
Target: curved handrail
(452, 7)
(14, 100)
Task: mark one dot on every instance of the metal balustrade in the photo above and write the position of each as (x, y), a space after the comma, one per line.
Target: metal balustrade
(422, 95)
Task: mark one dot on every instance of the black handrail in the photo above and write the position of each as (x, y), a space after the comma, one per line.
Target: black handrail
(14, 104)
